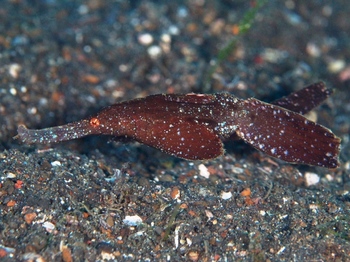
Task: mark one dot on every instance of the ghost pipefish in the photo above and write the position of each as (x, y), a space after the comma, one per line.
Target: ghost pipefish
(193, 126)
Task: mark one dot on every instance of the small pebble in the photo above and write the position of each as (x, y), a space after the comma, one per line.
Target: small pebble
(273, 55)
(193, 255)
(110, 221)
(83, 9)
(246, 192)
(154, 51)
(174, 30)
(311, 179)
(29, 217)
(13, 91)
(203, 171)
(237, 170)
(145, 39)
(175, 193)
(329, 177)
(11, 175)
(14, 70)
(104, 247)
(336, 66)
(209, 214)
(11, 203)
(30, 256)
(313, 50)
(66, 253)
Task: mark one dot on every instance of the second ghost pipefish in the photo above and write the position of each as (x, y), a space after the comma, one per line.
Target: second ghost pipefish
(193, 126)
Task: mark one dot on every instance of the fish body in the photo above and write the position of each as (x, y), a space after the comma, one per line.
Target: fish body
(193, 126)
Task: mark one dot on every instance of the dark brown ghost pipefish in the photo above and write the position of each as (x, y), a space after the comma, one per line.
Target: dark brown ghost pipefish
(193, 126)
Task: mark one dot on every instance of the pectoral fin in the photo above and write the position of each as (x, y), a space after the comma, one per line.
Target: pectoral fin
(183, 138)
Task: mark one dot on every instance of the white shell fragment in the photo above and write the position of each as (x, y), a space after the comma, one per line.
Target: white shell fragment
(203, 171)
(56, 163)
(49, 226)
(311, 179)
(226, 195)
(132, 220)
